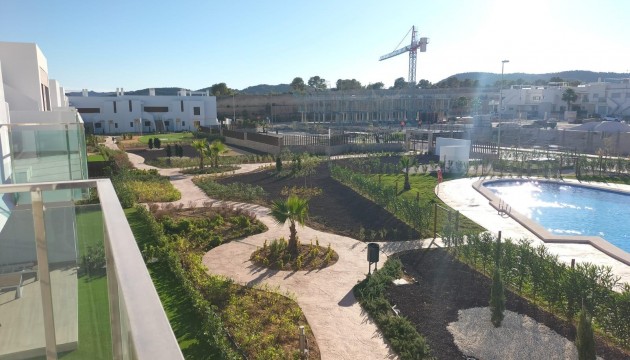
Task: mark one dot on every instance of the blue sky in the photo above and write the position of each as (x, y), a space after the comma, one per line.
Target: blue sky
(102, 45)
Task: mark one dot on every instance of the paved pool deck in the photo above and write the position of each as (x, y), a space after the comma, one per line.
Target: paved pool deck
(462, 196)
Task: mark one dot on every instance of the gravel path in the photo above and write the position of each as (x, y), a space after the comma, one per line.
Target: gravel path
(519, 337)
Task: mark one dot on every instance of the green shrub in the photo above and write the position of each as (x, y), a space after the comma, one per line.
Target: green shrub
(585, 341)
(398, 331)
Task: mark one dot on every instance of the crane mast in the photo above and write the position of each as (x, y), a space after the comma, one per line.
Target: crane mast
(413, 52)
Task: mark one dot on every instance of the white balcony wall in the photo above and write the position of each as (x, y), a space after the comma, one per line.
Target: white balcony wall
(24, 69)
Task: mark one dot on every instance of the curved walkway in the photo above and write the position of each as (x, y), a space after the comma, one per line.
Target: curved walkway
(342, 329)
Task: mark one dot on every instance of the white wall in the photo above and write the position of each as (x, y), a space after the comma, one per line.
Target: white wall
(24, 68)
(124, 121)
(5, 146)
(441, 141)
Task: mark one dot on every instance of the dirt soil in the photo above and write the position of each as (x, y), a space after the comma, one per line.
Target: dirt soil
(338, 209)
(445, 286)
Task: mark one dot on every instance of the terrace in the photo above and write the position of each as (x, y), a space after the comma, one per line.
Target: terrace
(73, 281)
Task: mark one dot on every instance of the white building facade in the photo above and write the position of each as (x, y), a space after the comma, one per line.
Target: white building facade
(146, 113)
(41, 137)
(606, 98)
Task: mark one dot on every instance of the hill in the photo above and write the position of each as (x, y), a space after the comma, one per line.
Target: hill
(573, 75)
(264, 89)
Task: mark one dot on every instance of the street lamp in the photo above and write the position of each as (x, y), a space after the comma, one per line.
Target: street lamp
(500, 109)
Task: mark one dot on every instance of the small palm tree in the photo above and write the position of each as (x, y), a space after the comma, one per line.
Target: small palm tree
(200, 146)
(216, 148)
(569, 96)
(295, 210)
(406, 162)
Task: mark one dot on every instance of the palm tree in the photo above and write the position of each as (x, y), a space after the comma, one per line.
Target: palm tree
(216, 148)
(295, 210)
(200, 146)
(569, 96)
(406, 162)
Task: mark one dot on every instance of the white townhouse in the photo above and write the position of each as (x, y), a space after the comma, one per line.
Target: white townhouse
(146, 113)
(604, 98)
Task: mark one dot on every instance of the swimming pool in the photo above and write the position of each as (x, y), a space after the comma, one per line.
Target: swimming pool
(570, 210)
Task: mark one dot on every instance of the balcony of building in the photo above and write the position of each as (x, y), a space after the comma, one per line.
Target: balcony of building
(73, 283)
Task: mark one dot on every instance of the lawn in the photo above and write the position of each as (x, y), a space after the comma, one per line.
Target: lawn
(423, 186)
(95, 158)
(94, 327)
(177, 305)
(167, 138)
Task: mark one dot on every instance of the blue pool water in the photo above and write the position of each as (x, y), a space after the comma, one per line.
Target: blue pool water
(570, 210)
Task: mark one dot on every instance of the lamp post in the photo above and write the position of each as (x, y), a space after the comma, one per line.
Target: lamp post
(500, 109)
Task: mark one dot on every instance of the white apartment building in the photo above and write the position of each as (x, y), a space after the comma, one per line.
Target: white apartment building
(605, 98)
(146, 113)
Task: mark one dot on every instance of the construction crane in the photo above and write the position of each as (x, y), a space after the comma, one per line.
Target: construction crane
(413, 52)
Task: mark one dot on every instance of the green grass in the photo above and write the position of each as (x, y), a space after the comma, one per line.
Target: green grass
(177, 305)
(167, 138)
(94, 326)
(95, 158)
(425, 186)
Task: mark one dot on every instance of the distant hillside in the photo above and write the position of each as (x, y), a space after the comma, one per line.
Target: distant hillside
(573, 75)
(264, 89)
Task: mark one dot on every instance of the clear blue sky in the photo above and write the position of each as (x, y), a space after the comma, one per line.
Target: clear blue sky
(102, 45)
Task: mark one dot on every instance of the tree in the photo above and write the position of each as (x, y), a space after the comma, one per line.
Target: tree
(317, 83)
(221, 89)
(556, 79)
(295, 210)
(497, 298)
(169, 151)
(569, 96)
(298, 84)
(424, 84)
(157, 143)
(200, 146)
(376, 86)
(400, 83)
(150, 143)
(406, 162)
(214, 150)
(584, 341)
(346, 84)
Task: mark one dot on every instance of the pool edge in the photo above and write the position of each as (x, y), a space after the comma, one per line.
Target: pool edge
(544, 235)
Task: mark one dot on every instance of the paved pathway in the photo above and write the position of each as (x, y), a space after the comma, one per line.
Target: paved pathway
(342, 329)
(460, 195)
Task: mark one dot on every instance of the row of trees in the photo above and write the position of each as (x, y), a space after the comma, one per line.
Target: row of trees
(542, 277)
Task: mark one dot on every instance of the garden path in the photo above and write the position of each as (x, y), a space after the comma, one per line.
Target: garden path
(342, 329)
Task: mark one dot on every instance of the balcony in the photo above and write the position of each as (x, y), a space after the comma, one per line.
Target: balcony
(73, 283)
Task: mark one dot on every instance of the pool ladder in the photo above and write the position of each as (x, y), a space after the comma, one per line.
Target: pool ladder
(504, 208)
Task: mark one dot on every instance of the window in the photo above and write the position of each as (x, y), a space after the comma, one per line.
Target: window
(197, 110)
(97, 125)
(45, 97)
(147, 123)
(156, 108)
(595, 96)
(181, 105)
(130, 108)
(131, 124)
(115, 125)
(166, 123)
(89, 110)
(537, 98)
(115, 110)
(183, 123)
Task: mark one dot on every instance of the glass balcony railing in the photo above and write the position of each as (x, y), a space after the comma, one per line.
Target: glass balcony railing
(73, 284)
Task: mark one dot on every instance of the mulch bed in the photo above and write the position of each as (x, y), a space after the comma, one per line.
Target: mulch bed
(445, 286)
(338, 209)
(153, 154)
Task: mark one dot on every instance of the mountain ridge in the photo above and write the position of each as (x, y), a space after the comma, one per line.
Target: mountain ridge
(484, 78)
